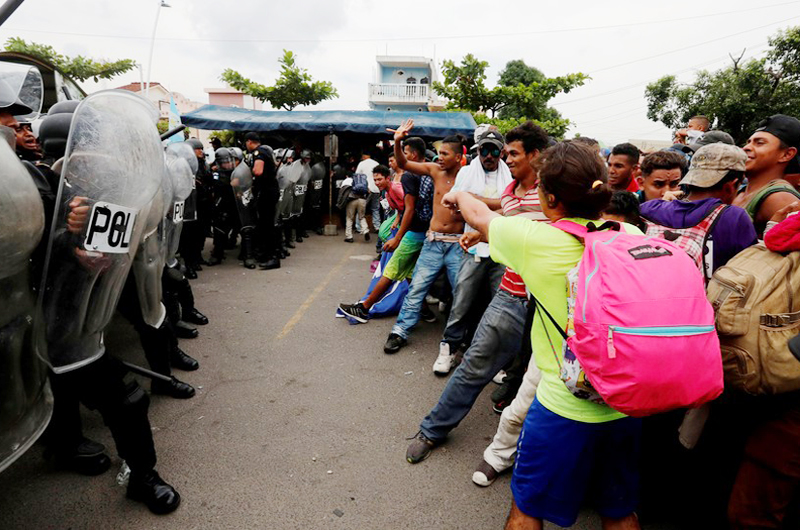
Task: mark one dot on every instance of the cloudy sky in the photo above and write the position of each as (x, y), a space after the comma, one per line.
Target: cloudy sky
(622, 45)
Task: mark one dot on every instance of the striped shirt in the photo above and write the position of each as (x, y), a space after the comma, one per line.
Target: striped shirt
(529, 207)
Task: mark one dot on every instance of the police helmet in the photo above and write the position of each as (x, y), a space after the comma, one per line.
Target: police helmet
(223, 159)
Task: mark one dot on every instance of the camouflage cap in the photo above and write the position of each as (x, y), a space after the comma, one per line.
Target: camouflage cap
(712, 162)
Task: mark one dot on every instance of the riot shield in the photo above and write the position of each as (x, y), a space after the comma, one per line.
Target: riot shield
(182, 178)
(315, 184)
(148, 264)
(185, 151)
(299, 189)
(242, 184)
(27, 83)
(25, 399)
(287, 176)
(112, 170)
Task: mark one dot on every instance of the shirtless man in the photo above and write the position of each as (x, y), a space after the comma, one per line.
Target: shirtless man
(771, 154)
(441, 248)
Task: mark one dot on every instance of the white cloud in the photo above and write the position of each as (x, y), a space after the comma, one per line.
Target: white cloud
(325, 35)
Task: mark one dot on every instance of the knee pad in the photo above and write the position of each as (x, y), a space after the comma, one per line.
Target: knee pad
(135, 399)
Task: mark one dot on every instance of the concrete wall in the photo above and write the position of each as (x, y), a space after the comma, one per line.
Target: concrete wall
(389, 74)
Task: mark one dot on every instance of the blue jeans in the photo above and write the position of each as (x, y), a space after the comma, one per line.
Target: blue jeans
(434, 256)
(497, 341)
(374, 207)
(472, 276)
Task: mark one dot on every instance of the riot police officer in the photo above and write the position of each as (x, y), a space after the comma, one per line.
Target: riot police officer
(87, 259)
(224, 210)
(265, 187)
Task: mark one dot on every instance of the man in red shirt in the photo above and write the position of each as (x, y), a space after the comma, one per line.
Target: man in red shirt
(623, 167)
(499, 334)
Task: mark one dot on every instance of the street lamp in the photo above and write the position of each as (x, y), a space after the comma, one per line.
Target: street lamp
(161, 3)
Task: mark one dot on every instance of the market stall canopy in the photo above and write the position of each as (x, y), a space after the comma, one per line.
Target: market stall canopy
(429, 124)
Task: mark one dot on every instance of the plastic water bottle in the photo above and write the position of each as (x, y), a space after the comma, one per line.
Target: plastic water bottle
(124, 474)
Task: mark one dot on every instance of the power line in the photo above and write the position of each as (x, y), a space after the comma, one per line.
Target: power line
(394, 39)
(634, 85)
(693, 45)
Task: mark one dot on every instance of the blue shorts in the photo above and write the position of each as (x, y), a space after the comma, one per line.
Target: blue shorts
(561, 463)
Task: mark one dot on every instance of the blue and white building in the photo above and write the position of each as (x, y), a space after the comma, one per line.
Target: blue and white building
(403, 83)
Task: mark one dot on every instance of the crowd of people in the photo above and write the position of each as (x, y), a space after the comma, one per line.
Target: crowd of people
(497, 237)
(488, 224)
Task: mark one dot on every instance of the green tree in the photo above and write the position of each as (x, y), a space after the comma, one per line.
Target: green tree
(737, 97)
(79, 68)
(522, 93)
(226, 137)
(294, 86)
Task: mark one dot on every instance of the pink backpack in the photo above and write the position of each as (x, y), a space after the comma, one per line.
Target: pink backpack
(641, 335)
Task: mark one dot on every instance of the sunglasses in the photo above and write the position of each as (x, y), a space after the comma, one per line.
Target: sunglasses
(486, 151)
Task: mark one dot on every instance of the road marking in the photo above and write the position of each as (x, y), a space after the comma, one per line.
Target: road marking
(298, 315)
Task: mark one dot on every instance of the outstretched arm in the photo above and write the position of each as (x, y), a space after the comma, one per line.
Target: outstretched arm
(420, 168)
(475, 212)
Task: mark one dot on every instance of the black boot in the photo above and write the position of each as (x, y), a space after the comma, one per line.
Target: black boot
(172, 388)
(270, 264)
(178, 359)
(193, 316)
(185, 331)
(149, 488)
(87, 458)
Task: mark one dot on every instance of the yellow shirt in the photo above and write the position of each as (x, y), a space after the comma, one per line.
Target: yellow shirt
(542, 255)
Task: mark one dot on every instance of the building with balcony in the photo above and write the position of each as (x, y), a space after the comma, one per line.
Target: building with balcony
(230, 97)
(403, 83)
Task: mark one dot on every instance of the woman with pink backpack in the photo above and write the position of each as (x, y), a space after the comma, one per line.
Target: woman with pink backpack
(574, 447)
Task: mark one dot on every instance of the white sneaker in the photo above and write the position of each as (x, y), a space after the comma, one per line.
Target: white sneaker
(499, 376)
(444, 363)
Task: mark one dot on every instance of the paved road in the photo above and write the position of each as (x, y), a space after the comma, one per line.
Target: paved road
(300, 420)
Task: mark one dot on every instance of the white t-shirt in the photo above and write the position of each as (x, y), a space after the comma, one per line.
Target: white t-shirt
(366, 167)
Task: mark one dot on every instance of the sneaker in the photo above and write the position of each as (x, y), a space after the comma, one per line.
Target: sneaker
(426, 314)
(444, 363)
(499, 377)
(394, 343)
(484, 474)
(355, 312)
(430, 299)
(348, 240)
(419, 449)
(499, 406)
(366, 236)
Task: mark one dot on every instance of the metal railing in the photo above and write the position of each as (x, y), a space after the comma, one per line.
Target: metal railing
(398, 92)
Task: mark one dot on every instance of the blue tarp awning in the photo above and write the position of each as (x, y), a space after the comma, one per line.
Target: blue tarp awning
(430, 124)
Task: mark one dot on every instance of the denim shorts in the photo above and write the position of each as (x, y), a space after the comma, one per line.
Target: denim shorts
(563, 464)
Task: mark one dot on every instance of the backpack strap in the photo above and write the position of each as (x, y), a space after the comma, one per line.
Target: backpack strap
(539, 305)
(707, 225)
(773, 187)
(580, 231)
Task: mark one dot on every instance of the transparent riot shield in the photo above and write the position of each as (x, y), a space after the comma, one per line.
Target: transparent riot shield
(287, 176)
(25, 399)
(185, 151)
(112, 170)
(242, 184)
(148, 263)
(299, 189)
(182, 178)
(27, 83)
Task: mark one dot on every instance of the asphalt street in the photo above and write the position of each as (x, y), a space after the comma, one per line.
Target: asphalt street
(300, 420)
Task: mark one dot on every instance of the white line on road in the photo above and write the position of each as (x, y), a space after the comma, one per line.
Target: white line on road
(303, 308)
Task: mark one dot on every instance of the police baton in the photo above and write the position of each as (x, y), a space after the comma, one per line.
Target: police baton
(145, 372)
(172, 132)
(8, 8)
